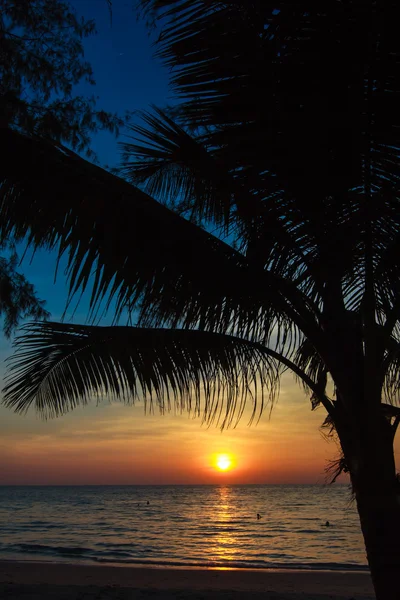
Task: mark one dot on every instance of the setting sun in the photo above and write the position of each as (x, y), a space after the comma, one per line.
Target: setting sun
(223, 462)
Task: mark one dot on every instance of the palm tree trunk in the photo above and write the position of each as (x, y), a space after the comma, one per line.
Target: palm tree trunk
(380, 523)
(371, 462)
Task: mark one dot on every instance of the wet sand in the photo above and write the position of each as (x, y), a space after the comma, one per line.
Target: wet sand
(45, 581)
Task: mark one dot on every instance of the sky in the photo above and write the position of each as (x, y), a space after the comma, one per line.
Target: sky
(110, 443)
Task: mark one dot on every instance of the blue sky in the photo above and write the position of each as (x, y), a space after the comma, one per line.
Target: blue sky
(126, 73)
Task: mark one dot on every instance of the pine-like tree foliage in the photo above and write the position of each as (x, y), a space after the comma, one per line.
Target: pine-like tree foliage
(41, 62)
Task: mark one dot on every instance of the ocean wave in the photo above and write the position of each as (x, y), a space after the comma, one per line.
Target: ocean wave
(252, 565)
(120, 545)
(38, 526)
(113, 555)
(43, 549)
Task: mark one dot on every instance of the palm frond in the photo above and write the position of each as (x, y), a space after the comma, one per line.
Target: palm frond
(297, 80)
(57, 366)
(125, 246)
(291, 103)
(119, 241)
(188, 177)
(176, 169)
(308, 360)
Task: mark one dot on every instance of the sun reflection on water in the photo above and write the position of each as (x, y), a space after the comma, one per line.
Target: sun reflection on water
(224, 543)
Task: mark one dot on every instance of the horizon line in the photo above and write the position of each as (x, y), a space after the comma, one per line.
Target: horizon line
(166, 484)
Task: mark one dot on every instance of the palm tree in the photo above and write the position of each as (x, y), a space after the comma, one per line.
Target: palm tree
(265, 237)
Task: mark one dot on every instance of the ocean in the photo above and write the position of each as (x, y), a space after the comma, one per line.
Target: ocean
(214, 526)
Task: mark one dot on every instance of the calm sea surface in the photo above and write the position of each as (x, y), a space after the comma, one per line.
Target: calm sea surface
(183, 525)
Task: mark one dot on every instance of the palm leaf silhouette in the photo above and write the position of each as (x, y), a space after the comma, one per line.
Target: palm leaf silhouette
(66, 364)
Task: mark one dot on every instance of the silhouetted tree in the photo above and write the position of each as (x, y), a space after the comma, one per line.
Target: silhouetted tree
(41, 60)
(293, 160)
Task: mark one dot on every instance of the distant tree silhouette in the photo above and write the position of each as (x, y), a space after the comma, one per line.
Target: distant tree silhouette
(285, 143)
(41, 60)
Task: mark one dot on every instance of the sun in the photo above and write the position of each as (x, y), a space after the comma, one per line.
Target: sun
(223, 462)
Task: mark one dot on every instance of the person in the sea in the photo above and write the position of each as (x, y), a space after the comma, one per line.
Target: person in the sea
(327, 524)
(258, 516)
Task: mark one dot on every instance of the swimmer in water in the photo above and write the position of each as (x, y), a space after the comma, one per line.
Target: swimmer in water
(327, 524)
(258, 516)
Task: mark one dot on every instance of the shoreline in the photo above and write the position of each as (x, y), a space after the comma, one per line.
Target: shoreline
(175, 565)
(69, 580)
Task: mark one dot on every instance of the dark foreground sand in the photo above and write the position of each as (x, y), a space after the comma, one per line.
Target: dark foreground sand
(45, 581)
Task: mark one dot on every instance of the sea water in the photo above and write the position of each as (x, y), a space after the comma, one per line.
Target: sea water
(214, 525)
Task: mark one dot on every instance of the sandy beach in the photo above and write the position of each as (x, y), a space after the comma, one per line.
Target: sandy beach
(41, 580)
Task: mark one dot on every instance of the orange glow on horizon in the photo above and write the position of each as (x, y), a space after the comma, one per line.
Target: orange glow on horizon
(114, 444)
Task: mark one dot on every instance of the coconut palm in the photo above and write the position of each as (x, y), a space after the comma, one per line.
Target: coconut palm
(265, 236)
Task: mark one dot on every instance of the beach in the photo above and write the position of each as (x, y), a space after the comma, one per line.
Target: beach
(45, 580)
